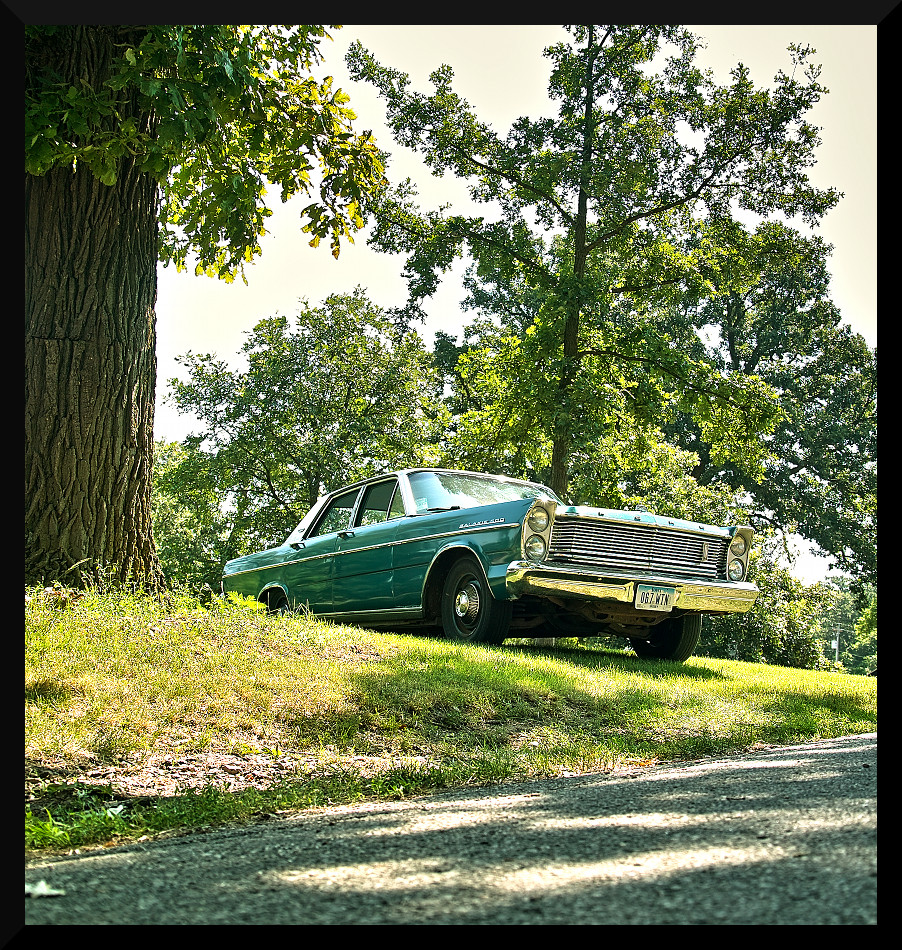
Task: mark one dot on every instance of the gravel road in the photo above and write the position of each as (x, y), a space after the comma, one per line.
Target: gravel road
(785, 835)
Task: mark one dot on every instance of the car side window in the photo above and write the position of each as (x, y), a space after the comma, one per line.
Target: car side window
(337, 514)
(397, 505)
(377, 503)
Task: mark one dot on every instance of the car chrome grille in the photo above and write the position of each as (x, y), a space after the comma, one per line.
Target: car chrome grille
(641, 547)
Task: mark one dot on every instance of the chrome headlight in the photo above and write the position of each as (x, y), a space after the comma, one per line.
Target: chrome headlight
(736, 569)
(535, 547)
(538, 519)
(738, 546)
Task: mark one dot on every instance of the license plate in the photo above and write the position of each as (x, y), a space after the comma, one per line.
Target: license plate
(652, 597)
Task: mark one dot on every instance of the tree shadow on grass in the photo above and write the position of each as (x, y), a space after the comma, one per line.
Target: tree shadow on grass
(495, 696)
(596, 658)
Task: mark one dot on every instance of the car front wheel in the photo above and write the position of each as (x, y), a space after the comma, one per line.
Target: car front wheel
(674, 639)
(469, 611)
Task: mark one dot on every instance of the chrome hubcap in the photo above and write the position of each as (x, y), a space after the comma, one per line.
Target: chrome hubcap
(466, 603)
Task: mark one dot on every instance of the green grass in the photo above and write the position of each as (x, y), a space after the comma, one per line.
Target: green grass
(110, 677)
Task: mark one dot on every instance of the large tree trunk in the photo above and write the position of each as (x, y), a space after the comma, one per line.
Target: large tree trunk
(563, 431)
(90, 363)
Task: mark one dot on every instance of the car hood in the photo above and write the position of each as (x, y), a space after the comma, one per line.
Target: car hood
(638, 517)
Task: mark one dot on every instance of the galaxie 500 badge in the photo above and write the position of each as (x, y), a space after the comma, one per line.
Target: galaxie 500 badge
(476, 524)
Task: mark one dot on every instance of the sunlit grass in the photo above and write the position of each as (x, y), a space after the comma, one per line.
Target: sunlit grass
(113, 675)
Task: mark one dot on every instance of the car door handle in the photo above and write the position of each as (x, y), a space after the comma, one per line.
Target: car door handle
(346, 534)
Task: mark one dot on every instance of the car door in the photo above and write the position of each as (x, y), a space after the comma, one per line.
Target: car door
(362, 575)
(309, 577)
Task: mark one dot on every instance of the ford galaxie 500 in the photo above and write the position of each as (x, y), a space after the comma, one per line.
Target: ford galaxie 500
(485, 557)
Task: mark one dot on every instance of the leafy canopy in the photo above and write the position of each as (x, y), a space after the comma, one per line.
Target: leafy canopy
(333, 395)
(593, 224)
(766, 312)
(641, 150)
(214, 113)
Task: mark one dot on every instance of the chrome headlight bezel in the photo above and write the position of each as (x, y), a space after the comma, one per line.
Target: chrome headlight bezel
(738, 551)
(535, 547)
(538, 519)
(535, 536)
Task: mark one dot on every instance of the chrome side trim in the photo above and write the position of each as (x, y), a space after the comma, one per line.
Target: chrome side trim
(389, 613)
(457, 531)
(269, 567)
(373, 547)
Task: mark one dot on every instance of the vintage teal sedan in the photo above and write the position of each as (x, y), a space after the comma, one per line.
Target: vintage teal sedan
(483, 557)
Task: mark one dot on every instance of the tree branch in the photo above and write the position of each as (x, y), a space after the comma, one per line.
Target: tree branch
(515, 179)
(666, 206)
(664, 369)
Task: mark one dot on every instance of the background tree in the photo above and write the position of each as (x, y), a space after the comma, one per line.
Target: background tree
(148, 143)
(860, 653)
(501, 395)
(766, 313)
(599, 210)
(193, 531)
(850, 617)
(334, 395)
(782, 628)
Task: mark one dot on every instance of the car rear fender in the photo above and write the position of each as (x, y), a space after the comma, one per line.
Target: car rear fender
(272, 590)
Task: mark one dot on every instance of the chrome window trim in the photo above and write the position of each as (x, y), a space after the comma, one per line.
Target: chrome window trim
(383, 544)
(406, 493)
(318, 521)
(363, 492)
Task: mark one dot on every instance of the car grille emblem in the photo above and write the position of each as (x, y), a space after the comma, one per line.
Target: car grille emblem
(704, 550)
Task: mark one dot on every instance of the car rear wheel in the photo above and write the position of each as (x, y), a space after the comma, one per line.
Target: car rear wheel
(469, 611)
(674, 639)
(278, 604)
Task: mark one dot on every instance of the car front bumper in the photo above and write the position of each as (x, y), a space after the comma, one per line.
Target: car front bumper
(702, 596)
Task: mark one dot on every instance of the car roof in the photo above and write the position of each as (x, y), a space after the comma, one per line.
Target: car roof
(323, 500)
(440, 471)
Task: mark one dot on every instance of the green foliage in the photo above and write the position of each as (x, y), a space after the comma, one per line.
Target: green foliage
(332, 396)
(506, 403)
(191, 532)
(860, 654)
(765, 311)
(867, 622)
(851, 618)
(214, 113)
(597, 217)
(783, 628)
(235, 600)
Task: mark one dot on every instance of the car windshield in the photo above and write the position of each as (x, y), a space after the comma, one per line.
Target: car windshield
(442, 490)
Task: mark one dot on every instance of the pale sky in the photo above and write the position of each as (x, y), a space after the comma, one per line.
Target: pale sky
(501, 72)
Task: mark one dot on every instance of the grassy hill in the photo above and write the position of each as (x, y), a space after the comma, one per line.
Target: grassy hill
(228, 714)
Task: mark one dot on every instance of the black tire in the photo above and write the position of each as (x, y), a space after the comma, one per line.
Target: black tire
(674, 639)
(277, 603)
(469, 611)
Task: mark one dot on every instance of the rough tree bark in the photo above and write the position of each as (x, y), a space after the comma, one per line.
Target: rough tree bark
(90, 363)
